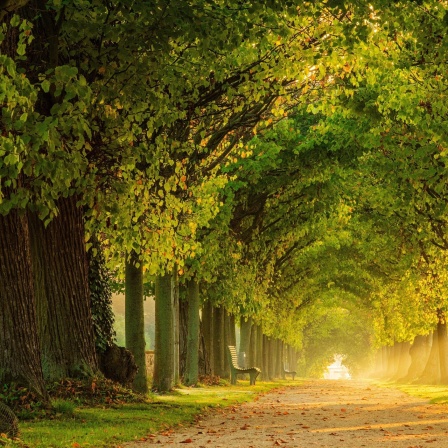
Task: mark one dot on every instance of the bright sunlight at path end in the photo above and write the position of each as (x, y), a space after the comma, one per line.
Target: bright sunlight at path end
(321, 413)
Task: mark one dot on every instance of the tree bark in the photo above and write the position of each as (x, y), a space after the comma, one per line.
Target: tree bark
(183, 331)
(163, 379)
(219, 341)
(176, 328)
(20, 358)
(61, 285)
(135, 319)
(207, 327)
(192, 363)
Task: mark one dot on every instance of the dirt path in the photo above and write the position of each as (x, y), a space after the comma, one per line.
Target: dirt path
(319, 414)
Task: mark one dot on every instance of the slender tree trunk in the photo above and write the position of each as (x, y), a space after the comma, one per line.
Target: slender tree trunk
(61, 283)
(245, 332)
(204, 361)
(230, 338)
(219, 341)
(259, 348)
(207, 326)
(183, 332)
(176, 328)
(192, 364)
(443, 346)
(135, 319)
(163, 379)
(265, 359)
(253, 346)
(20, 357)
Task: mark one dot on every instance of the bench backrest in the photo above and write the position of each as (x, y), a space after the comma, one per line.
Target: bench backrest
(233, 355)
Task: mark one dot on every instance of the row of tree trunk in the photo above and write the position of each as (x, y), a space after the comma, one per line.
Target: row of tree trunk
(191, 340)
(424, 361)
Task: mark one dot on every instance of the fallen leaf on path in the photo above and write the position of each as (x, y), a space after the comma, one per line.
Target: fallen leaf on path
(187, 441)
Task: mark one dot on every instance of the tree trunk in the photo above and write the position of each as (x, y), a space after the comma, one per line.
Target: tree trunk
(219, 341)
(61, 284)
(419, 353)
(443, 346)
(20, 358)
(183, 332)
(259, 348)
(403, 359)
(431, 372)
(135, 319)
(176, 328)
(192, 364)
(230, 339)
(207, 326)
(245, 332)
(163, 379)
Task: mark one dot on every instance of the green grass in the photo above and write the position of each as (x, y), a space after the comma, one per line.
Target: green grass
(433, 393)
(108, 427)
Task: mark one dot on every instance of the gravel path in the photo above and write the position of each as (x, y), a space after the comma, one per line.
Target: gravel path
(320, 413)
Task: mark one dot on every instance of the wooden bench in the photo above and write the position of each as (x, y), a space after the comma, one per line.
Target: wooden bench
(286, 371)
(235, 369)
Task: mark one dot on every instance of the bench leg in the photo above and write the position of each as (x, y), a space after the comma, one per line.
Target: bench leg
(253, 377)
(232, 377)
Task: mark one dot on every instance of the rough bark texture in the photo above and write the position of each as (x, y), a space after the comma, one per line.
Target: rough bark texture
(163, 379)
(19, 346)
(135, 320)
(62, 293)
(192, 363)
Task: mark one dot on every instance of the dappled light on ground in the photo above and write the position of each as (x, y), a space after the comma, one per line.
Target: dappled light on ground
(321, 413)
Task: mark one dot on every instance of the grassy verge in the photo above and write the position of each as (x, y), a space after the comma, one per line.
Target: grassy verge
(110, 427)
(433, 393)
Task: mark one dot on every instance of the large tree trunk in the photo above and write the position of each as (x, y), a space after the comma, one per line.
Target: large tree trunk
(60, 268)
(20, 358)
(135, 319)
(192, 363)
(163, 379)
